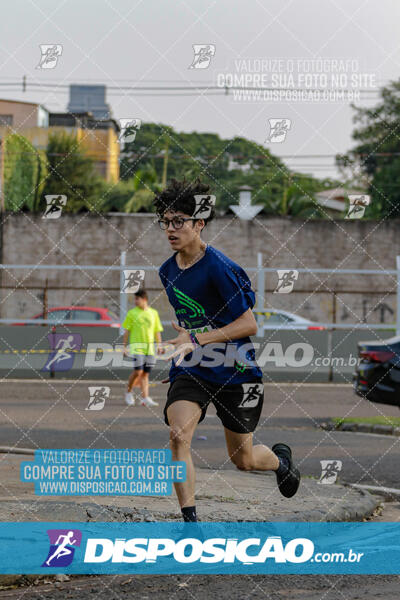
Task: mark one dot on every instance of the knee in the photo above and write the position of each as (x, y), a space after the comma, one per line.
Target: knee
(178, 437)
(242, 463)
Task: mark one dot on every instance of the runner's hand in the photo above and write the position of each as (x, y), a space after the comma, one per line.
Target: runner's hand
(182, 343)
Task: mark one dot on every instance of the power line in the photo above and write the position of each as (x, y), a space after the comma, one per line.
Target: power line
(222, 89)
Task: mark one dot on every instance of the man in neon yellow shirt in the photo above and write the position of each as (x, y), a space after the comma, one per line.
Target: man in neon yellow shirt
(142, 326)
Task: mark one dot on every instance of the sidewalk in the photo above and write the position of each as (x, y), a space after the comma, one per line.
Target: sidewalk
(227, 495)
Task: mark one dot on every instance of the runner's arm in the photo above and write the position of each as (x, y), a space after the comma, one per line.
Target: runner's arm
(160, 349)
(243, 326)
(125, 340)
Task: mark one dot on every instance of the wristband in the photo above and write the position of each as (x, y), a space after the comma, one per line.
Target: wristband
(194, 339)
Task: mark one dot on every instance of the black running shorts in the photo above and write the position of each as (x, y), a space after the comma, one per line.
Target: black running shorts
(238, 406)
(143, 362)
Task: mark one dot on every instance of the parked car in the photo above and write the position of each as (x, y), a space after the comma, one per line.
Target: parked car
(281, 319)
(76, 314)
(377, 376)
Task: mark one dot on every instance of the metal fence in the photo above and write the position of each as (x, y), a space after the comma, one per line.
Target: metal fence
(260, 309)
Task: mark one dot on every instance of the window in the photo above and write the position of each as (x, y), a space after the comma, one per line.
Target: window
(56, 315)
(84, 315)
(113, 315)
(277, 319)
(6, 120)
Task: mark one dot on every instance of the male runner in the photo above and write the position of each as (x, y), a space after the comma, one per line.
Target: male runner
(142, 325)
(212, 299)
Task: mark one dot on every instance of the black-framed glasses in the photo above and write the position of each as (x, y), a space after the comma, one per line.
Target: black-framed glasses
(177, 222)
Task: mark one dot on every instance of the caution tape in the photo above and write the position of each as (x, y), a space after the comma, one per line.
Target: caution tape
(83, 351)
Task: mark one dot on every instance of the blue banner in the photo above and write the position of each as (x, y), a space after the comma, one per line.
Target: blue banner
(88, 472)
(200, 548)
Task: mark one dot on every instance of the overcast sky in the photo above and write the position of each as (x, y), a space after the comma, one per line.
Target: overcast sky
(123, 42)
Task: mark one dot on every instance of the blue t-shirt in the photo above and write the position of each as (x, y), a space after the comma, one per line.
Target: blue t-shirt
(211, 294)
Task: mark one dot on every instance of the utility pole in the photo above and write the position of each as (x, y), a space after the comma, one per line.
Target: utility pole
(165, 165)
(2, 157)
(24, 83)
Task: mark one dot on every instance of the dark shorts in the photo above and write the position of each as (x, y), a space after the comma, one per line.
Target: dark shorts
(238, 406)
(143, 362)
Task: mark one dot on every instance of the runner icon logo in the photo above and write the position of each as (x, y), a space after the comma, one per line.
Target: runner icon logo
(278, 130)
(287, 279)
(329, 471)
(54, 206)
(98, 396)
(357, 206)
(204, 205)
(63, 349)
(252, 393)
(62, 547)
(50, 55)
(129, 128)
(203, 54)
(133, 279)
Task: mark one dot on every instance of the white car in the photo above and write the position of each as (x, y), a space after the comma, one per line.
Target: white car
(281, 319)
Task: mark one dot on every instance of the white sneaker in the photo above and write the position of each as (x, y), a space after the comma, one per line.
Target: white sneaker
(148, 402)
(129, 399)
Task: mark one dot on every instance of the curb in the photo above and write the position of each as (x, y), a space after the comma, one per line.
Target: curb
(363, 508)
(389, 494)
(360, 427)
(15, 450)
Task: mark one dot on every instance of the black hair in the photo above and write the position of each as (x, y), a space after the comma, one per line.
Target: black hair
(180, 196)
(141, 294)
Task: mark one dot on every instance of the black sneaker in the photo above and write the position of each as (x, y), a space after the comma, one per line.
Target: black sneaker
(289, 482)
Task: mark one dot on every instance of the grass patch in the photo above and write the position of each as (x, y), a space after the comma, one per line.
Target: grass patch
(392, 421)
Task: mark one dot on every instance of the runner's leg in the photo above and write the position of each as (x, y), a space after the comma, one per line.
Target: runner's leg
(247, 457)
(144, 384)
(134, 379)
(183, 417)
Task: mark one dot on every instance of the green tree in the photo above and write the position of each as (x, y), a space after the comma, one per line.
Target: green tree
(24, 173)
(226, 164)
(376, 158)
(294, 203)
(72, 172)
(132, 195)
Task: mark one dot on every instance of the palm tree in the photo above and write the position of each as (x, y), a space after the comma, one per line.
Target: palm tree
(293, 203)
(145, 183)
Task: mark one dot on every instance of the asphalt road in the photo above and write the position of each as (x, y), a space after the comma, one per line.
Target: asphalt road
(53, 415)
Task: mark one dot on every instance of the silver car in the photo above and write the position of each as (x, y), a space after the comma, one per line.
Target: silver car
(282, 319)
